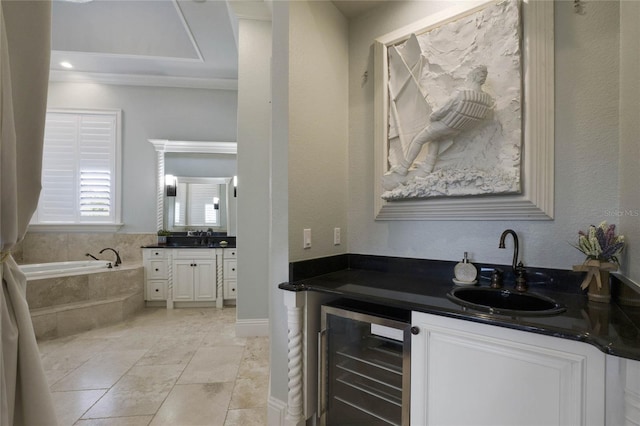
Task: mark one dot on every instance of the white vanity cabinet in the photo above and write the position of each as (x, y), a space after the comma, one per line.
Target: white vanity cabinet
(156, 274)
(229, 273)
(194, 275)
(470, 373)
(623, 391)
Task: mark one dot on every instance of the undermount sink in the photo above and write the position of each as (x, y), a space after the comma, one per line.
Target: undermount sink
(505, 302)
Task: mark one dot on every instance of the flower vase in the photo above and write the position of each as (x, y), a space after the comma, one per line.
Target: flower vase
(162, 240)
(600, 292)
(597, 279)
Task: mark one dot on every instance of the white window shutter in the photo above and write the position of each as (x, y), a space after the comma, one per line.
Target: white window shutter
(58, 199)
(79, 166)
(97, 166)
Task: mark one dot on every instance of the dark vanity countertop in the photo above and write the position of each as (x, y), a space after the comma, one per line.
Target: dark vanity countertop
(174, 246)
(614, 329)
(199, 241)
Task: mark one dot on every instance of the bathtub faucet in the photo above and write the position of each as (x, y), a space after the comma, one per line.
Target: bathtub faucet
(118, 260)
(91, 256)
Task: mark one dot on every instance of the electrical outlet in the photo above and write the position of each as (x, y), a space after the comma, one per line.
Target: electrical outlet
(306, 238)
(336, 236)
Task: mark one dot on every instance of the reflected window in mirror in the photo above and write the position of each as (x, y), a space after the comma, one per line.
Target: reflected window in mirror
(195, 205)
(200, 204)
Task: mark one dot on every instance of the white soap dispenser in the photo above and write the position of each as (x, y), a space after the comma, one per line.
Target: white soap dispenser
(465, 272)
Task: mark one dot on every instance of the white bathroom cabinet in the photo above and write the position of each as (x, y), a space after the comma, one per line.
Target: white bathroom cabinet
(465, 372)
(194, 277)
(230, 271)
(156, 274)
(623, 391)
(187, 276)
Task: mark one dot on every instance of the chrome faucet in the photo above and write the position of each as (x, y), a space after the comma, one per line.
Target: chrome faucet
(118, 260)
(517, 267)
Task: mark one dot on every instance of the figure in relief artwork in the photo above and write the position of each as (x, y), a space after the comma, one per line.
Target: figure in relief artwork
(452, 128)
(466, 107)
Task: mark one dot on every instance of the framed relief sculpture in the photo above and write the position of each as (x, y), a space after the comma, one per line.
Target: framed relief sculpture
(464, 114)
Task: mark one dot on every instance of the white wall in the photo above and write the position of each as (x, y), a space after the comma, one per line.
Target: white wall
(151, 113)
(318, 128)
(254, 144)
(586, 147)
(279, 261)
(200, 165)
(586, 150)
(629, 210)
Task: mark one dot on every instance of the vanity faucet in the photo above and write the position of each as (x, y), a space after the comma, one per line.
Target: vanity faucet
(517, 267)
(118, 260)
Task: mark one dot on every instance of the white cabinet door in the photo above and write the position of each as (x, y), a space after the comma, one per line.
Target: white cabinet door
(183, 280)
(466, 373)
(204, 281)
(623, 391)
(194, 275)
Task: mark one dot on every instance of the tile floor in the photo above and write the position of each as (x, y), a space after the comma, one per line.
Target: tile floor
(179, 367)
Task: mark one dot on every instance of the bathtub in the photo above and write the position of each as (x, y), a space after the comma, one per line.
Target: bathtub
(36, 271)
(65, 298)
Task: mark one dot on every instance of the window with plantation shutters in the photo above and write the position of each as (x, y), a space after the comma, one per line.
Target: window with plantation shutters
(80, 167)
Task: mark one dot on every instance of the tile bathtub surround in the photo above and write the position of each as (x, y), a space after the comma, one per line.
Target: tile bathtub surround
(68, 305)
(179, 367)
(44, 247)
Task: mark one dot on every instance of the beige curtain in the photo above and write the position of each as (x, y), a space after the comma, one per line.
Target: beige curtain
(25, 44)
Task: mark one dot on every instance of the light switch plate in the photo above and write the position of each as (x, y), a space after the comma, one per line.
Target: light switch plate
(306, 237)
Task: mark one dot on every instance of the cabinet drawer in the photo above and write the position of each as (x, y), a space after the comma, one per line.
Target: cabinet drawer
(194, 254)
(157, 269)
(230, 289)
(230, 269)
(230, 253)
(155, 253)
(156, 290)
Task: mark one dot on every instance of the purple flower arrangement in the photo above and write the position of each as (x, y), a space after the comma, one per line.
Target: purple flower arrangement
(601, 243)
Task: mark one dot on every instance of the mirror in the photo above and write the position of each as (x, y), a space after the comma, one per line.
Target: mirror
(199, 203)
(203, 170)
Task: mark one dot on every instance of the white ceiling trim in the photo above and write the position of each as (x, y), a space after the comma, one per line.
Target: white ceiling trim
(187, 29)
(71, 53)
(144, 80)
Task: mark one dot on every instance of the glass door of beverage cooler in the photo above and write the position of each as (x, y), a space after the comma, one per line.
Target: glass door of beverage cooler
(364, 365)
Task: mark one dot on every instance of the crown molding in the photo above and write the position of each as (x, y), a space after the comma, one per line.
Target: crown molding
(204, 147)
(259, 10)
(143, 80)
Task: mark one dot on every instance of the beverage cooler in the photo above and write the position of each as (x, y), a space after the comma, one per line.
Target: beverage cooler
(364, 365)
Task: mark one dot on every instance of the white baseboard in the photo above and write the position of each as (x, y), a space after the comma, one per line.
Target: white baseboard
(276, 411)
(252, 327)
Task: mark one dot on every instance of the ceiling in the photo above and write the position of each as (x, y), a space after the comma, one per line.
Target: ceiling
(181, 43)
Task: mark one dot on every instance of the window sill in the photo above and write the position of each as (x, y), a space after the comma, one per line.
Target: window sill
(75, 227)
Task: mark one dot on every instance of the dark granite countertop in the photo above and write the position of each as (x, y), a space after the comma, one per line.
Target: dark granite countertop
(199, 241)
(173, 246)
(422, 286)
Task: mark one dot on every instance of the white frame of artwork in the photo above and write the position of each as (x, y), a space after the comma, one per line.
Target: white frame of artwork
(536, 201)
